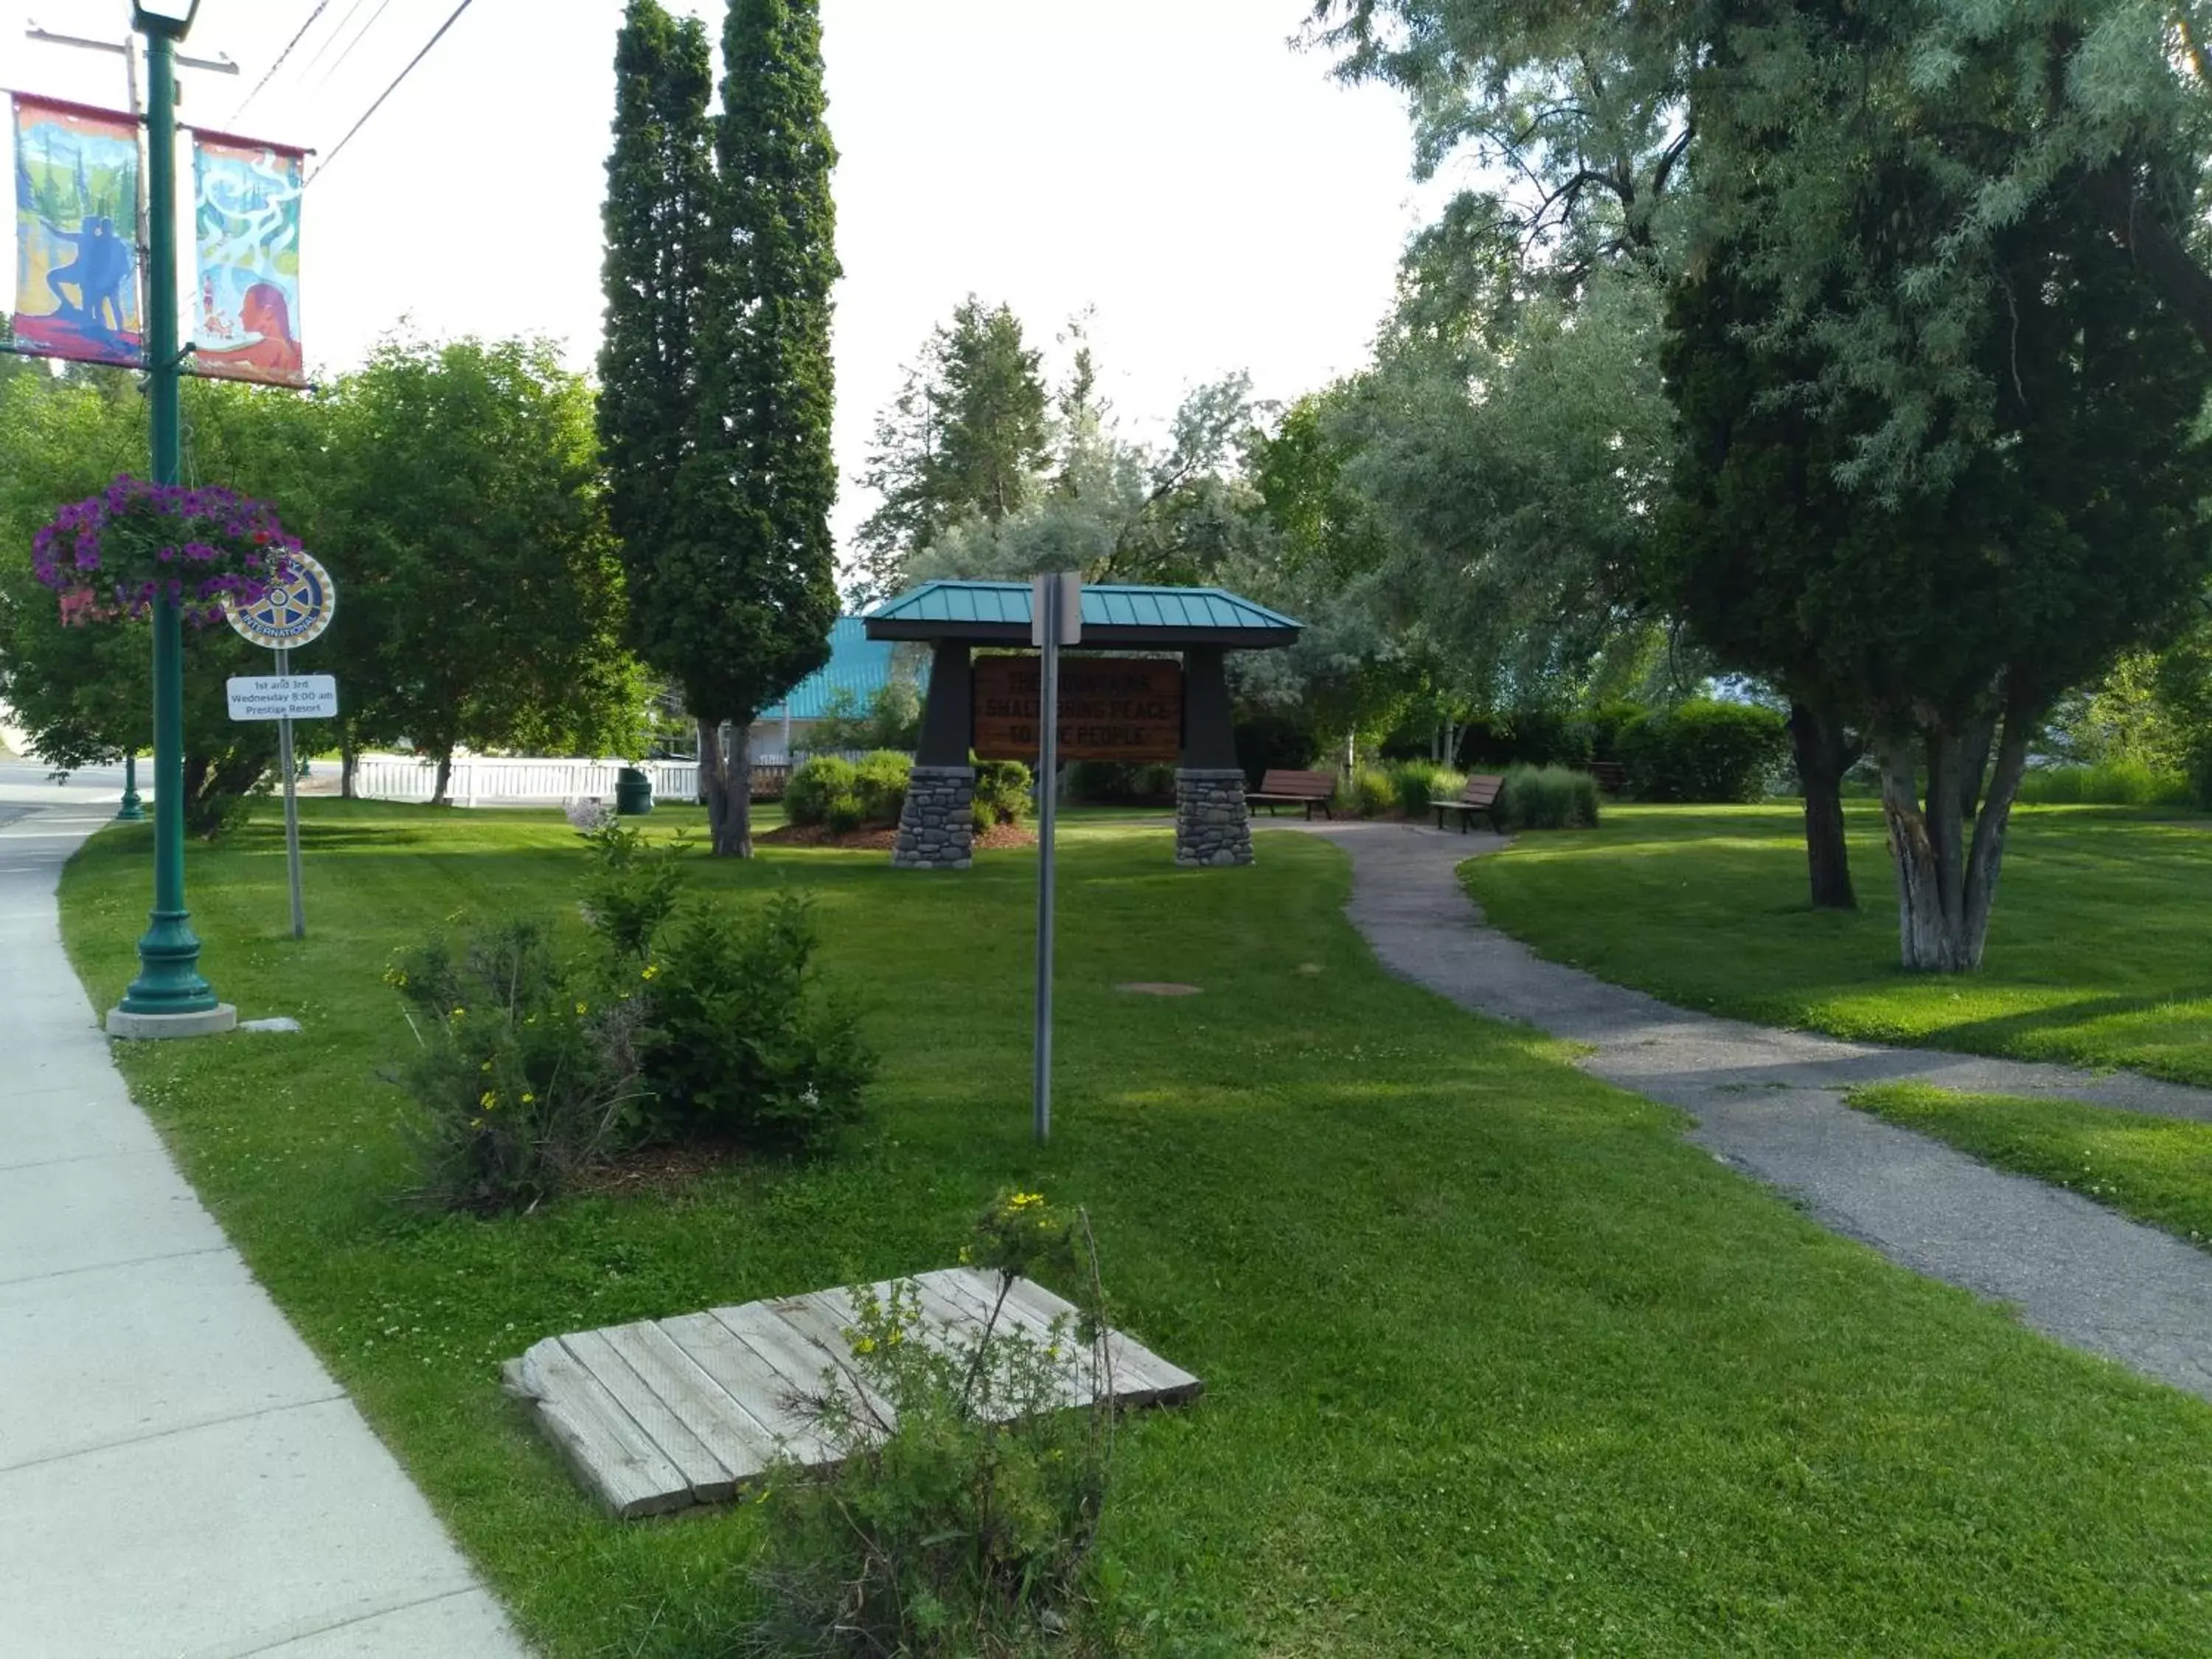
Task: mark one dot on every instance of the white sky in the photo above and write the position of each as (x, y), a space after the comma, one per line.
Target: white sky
(1172, 163)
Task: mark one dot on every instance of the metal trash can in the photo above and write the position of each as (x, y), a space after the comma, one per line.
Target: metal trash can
(633, 793)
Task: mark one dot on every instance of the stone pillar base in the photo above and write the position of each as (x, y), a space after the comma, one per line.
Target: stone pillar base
(937, 829)
(152, 1027)
(1213, 827)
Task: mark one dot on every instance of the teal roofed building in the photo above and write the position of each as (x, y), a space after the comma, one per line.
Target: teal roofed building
(858, 668)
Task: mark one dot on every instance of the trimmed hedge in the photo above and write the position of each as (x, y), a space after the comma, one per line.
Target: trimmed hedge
(816, 785)
(1704, 751)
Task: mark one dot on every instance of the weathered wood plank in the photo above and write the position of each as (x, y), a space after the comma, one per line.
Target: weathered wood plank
(657, 1416)
(617, 1460)
(808, 1369)
(711, 1480)
(739, 1440)
(759, 1390)
(1161, 1382)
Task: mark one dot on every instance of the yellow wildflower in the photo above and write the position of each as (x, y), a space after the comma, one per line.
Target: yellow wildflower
(651, 971)
(1024, 1201)
(486, 1067)
(529, 1099)
(489, 1100)
(864, 1344)
(583, 1008)
(460, 1013)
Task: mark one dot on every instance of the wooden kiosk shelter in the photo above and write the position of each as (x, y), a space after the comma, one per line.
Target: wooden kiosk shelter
(1120, 701)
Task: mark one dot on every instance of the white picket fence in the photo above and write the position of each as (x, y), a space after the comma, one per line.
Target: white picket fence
(478, 780)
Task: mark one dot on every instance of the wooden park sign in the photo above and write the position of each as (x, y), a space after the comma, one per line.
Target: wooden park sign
(1111, 708)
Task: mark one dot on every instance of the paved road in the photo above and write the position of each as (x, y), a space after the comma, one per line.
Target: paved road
(1771, 1103)
(179, 1478)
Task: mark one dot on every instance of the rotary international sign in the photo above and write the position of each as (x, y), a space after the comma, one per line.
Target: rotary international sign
(1111, 708)
(291, 613)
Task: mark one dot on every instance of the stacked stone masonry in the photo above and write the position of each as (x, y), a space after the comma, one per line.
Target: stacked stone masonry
(1213, 827)
(937, 827)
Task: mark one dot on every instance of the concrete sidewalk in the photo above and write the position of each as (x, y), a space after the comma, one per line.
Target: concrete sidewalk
(179, 1478)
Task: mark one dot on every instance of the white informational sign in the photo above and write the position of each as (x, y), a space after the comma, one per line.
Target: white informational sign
(284, 696)
(1063, 591)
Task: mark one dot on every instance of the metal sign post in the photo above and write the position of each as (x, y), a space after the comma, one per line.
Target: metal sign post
(1055, 619)
(295, 613)
(291, 804)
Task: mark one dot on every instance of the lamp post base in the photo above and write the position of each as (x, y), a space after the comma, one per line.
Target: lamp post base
(149, 1028)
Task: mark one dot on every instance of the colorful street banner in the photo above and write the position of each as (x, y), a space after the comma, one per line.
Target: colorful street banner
(77, 218)
(247, 215)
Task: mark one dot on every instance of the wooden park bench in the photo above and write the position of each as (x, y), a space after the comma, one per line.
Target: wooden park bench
(1481, 795)
(1284, 788)
(1611, 776)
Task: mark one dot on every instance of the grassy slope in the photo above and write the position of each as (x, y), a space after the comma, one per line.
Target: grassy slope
(1498, 1364)
(2158, 1170)
(2096, 951)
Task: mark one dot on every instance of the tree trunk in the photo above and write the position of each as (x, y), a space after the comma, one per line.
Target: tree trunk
(349, 770)
(441, 791)
(2173, 270)
(1824, 754)
(1974, 765)
(727, 772)
(1947, 883)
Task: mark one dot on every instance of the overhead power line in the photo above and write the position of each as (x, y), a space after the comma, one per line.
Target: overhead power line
(336, 34)
(339, 149)
(339, 62)
(321, 6)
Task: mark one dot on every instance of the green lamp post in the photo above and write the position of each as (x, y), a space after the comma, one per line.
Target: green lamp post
(169, 998)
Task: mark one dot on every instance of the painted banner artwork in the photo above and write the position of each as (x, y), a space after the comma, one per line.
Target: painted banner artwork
(77, 216)
(247, 215)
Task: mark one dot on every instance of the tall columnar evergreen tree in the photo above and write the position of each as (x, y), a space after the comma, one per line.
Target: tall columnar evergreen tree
(660, 185)
(718, 278)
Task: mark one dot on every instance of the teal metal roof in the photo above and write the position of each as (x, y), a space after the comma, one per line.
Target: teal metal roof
(998, 612)
(857, 664)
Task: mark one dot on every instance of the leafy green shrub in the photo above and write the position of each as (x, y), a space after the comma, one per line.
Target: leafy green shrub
(1548, 798)
(881, 780)
(961, 1517)
(738, 1040)
(1704, 751)
(524, 1079)
(632, 889)
(1371, 793)
(1417, 782)
(1002, 793)
(845, 815)
(2110, 783)
(814, 784)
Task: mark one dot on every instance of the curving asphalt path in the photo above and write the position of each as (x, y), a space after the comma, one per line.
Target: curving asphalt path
(1770, 1103)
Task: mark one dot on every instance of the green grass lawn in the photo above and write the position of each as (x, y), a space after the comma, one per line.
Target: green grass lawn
(1497, 1364)
(2096, 949)
(2158, 1170)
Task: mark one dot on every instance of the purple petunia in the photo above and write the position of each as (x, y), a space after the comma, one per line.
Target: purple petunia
(132, 529)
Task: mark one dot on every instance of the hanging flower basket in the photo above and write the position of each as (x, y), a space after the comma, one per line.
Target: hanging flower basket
(111, 556)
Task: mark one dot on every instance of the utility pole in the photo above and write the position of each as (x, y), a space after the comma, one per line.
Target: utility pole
(132, 810)
(169, 998)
